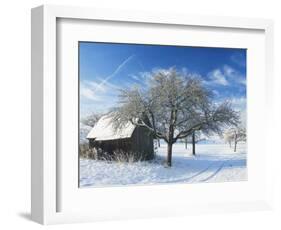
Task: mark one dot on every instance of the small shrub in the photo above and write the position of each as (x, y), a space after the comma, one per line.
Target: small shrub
(130, 157)
(117, 155)
(120, 156)
(86, 152)
(83, 150)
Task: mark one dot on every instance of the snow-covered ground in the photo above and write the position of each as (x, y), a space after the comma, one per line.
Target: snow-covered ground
(213, 163)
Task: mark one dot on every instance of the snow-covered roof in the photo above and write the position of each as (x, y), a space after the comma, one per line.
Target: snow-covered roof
(104, 130)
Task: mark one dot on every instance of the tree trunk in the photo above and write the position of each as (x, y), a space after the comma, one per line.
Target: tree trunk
(169, 156)
(185, 143)
(193, 143)
(171, 139)
(158, 142)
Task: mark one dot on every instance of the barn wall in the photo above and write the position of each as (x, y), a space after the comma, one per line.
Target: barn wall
(142, 142)
(110, 146)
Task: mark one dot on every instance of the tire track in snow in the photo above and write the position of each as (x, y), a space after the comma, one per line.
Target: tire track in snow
(187, 179)
(217, 170)
(213, 174)
(206, 174)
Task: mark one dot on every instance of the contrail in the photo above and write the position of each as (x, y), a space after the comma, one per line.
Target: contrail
(116, 70)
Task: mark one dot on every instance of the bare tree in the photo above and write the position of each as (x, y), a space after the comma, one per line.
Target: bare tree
(235, 135)
(172, 107)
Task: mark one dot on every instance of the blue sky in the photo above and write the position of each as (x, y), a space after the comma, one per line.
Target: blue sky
(107, 67)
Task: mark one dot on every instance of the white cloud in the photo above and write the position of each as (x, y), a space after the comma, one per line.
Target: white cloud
(234, 75)
(96, 86)
(135, 77)
(95, 91)
(87, 92)
(228, 71)
(99, 94)
(239, 59)
(218, 77)
(97, 98)
(239, 103)
(242, 81)
(141, 78)
(225, 75)
(215, 92)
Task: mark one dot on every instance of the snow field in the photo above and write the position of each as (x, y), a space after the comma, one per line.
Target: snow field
(213, 163)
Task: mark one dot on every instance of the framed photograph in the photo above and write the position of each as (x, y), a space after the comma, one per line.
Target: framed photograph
(139, 115)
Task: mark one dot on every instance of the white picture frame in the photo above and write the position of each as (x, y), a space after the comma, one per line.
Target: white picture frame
(46, 181)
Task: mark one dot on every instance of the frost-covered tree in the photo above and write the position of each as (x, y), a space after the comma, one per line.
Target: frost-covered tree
(228, 137)
(86, 124)
(235, 135)
(172, 107)
(91, 119)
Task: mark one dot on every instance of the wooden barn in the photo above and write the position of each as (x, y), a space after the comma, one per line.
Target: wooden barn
(129, 139)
